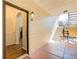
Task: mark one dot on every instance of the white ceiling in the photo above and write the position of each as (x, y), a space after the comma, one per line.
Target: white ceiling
(55, 7)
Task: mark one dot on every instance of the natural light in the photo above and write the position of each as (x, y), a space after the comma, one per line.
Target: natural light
(63, 18)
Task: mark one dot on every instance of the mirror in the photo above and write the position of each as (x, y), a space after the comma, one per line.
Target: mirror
(16, 35)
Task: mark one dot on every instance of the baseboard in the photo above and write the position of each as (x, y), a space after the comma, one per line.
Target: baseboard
(23, 48)
(10, 45)
(25, 56)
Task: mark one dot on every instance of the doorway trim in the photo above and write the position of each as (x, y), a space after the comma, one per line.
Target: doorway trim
(27, 19)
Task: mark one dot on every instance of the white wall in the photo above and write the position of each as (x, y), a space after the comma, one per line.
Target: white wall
(40, 31)
(37, 35)
(10, 25)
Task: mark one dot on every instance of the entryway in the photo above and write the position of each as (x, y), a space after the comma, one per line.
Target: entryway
(16, 31)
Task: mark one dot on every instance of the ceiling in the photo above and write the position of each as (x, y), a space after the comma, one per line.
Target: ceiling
(55, 7)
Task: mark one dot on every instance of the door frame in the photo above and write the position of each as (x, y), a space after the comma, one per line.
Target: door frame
(4, 21)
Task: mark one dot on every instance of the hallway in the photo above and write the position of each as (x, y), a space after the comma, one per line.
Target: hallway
(41, 25)
(58, 49)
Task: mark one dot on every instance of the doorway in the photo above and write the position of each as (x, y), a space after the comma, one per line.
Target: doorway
(16, 31)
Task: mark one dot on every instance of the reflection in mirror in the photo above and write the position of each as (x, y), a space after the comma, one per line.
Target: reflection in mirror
(15, 32)
(19, 30)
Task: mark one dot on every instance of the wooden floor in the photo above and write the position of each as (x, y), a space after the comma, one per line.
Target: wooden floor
(13, 51)
(59, 49)
(56, 51)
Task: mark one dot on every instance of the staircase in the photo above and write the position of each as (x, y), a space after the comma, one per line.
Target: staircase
(72, 19)
(58, 34)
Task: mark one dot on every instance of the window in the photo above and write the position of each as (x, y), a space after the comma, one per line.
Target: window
(63, 19)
